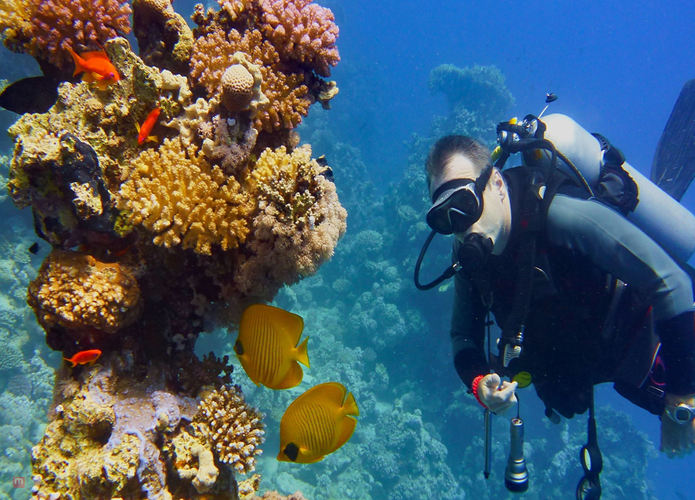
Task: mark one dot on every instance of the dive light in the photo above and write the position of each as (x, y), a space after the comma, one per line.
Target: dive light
(516, 474)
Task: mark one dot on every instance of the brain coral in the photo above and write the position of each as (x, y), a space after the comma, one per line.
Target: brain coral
(302, 31)
(75, 290)
(46, 28)
(176, 194)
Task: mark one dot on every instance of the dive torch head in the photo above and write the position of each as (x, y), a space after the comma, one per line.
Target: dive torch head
(516, 474)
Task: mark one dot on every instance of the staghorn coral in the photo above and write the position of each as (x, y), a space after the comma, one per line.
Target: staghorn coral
(287, 94)
(75, 290)
(176, 194)
(46, 28)
(234, 428)
(299, 223)
(303, 31)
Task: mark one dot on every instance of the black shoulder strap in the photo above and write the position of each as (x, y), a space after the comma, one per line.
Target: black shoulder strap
(537, 196)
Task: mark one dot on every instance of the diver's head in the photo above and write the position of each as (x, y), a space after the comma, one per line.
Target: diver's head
(468, 194)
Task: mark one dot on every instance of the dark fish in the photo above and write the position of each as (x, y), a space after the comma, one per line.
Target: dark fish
(34, 249)
(35, 94)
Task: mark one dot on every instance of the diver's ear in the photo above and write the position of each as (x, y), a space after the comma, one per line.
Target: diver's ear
(499, 184)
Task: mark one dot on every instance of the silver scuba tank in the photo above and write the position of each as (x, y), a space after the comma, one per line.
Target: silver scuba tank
(660, 216)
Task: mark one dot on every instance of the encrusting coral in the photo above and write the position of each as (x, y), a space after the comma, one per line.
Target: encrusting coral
(75, 290)
(46, 28)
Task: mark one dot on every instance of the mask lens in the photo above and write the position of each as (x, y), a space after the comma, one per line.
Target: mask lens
(455, 211)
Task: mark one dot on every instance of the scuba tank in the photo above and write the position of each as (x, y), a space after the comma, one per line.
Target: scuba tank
(656, 213)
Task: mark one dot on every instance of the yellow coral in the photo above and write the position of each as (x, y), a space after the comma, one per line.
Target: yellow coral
(75, 290)
(175, 193)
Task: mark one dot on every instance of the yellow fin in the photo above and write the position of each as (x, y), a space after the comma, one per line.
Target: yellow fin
(302, 353)
(345, 428)
(350, 406)
(292, 379)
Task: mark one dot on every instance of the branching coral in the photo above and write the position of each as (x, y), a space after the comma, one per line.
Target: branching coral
(176, 194)
(234, 428)
(46, 28)
(302, 31)
(75, 290)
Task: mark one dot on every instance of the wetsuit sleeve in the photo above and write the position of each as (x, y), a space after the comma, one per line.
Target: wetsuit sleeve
(468, 331)
(620, 248)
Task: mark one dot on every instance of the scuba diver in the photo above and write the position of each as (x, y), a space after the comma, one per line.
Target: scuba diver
(586, 284)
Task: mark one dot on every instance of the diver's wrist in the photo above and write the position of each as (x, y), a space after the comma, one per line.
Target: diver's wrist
(680, 409)
(675, 399)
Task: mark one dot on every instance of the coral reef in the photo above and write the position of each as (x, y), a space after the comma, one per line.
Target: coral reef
(46, 29)
(150, 245)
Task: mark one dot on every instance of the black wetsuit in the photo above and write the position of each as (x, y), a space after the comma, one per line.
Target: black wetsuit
(568, 345)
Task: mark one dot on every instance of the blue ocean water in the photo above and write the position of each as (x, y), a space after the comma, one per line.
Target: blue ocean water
(617, 69)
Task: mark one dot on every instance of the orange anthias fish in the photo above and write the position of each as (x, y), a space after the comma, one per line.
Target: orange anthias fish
(147, 125)
(96, 67)
(267, 346)
(317, 423)
(84, 357)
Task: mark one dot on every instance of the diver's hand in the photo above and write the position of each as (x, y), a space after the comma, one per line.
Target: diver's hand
(498, 398)
(677, 440)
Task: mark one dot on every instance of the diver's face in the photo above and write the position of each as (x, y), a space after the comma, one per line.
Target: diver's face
(495, 221)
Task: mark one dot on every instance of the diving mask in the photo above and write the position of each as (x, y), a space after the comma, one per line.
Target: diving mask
(458, 204)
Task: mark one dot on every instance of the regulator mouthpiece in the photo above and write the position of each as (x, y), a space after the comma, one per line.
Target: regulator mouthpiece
(516, 474)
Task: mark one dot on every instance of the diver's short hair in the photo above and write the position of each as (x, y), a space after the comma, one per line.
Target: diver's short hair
(450, 145)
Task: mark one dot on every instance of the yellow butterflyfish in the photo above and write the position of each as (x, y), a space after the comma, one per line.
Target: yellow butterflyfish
(317, 423)
(267, 346)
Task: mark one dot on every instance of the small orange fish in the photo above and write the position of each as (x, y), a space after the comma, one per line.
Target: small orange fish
(147, 125)
(317, 423)
(84, 357)
(96, 67)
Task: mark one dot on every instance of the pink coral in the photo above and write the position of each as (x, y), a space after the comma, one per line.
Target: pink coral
(55, 25)
(303, 31)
